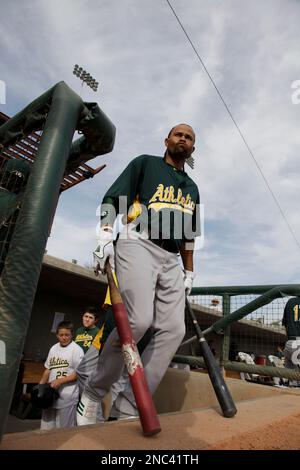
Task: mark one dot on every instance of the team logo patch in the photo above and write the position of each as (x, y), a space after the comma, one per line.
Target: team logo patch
(103, 214)
(131, 357)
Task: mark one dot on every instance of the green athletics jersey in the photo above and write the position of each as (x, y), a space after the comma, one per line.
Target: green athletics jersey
(291, 317)
(169, 200)
(84, 337)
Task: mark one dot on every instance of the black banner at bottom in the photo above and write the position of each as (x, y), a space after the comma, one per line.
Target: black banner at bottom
(141, 458)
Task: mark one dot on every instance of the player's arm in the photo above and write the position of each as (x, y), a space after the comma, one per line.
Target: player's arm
(45, 377)
(121, 195)
(117, 200)
(187, 248)
(187, 254)
(64, 380)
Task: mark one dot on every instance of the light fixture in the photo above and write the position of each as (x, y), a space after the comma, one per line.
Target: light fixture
(85, 77)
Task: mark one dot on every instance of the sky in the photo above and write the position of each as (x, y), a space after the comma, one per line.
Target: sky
(151, 79)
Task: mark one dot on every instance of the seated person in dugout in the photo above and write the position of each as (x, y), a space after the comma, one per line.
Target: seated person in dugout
(85, 335)
(279, 351)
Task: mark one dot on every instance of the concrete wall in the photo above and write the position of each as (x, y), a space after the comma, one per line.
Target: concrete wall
(191, 390)
(66, 288)
(183, 390)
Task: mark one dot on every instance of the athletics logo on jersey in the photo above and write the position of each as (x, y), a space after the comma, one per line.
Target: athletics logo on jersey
(103, 215)
(167, 198)
(182, 217)
(56, 362)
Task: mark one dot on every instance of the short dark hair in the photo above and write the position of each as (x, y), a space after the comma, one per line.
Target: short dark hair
(66, 324)
(93, 310)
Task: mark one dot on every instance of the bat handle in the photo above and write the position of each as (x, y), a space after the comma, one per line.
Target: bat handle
(108, 269)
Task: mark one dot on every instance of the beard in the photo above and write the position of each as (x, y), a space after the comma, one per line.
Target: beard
(179, 152)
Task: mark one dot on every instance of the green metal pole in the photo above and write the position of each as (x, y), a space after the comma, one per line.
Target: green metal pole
(226, 337)
(239, 290)
(264, 299)
(24, 260)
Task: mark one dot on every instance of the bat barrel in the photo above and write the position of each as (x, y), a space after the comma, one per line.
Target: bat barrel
(146, 408)
(143, 398)
(147, 412)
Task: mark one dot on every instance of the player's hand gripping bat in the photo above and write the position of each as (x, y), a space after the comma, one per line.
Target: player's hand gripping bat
(223, 395)
(143, 398)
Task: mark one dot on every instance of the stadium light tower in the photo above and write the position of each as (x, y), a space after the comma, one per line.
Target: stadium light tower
(85, 77)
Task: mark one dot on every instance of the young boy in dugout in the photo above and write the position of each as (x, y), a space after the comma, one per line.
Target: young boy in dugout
(87, 332)
(60, 371)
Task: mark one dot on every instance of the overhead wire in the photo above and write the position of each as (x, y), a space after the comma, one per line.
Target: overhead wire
(236, 125)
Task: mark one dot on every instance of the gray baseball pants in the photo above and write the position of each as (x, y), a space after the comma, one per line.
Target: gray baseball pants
(289, 349)
(87, 366)
(61, 418)
(152, 289)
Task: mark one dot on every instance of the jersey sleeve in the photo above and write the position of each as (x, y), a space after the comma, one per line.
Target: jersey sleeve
(196, 218)
(98, 338)
(127, 186)
(193, 228)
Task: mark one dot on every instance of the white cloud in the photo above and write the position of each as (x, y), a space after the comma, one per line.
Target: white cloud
(71, 240)
(150, 79)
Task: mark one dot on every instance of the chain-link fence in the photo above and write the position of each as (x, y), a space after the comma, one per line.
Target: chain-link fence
(259, 334)
(208, 310)
(242, 324)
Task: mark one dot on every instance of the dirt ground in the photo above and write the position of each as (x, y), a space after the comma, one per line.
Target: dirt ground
(266, 423)
(280, 435)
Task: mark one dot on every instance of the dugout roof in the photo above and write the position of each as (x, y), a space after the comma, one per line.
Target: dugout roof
(26, 149)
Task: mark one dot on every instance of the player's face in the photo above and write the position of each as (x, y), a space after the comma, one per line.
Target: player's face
(88, 320)
(180, 143)
(64, 336)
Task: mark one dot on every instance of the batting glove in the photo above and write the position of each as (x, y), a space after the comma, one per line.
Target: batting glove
(188, 281)
(104, 250)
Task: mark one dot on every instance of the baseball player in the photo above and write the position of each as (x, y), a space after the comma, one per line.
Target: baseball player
(60, 371)
(291, 322)
(147, 267)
